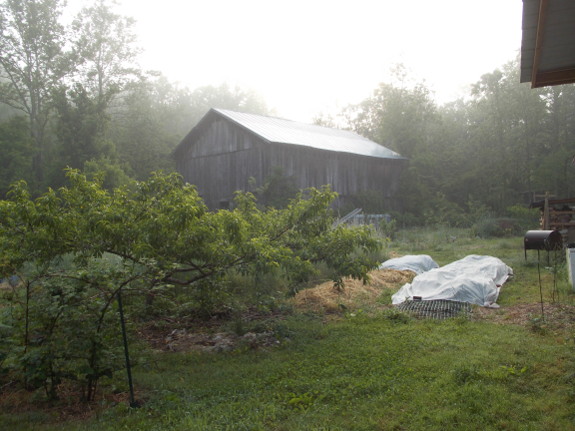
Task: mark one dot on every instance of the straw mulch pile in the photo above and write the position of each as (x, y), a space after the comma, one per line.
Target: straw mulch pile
(328, 298)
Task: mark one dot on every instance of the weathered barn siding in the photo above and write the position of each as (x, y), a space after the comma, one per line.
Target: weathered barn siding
(348, 174)
(220, 137)
(221, 161)
(220, 157)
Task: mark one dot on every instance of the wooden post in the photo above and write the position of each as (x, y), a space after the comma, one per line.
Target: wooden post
(546, 212)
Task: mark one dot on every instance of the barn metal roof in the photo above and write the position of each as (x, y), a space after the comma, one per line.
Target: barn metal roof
(548, 42)
(282, 131)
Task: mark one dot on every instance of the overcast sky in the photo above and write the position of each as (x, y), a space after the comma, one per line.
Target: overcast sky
(311, 56)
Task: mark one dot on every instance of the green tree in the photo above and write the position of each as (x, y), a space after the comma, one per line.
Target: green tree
(396, 115)
(80, 129)
(153, 119)
(32, 63)
(506, 133)
(77, 247)
(16, 149)
(402, 117)
(555, 168)
(495, 148)
(106, 47)
(155, 115)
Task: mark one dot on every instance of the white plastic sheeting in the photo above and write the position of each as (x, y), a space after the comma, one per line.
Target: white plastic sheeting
(419, 263)
(474, 279)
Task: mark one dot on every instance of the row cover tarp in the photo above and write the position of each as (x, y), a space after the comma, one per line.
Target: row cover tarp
(418, 263)
(474, 279)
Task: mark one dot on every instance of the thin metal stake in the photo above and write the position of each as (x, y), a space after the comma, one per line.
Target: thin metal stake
(555, 291)
(540, 287)
(126, 352)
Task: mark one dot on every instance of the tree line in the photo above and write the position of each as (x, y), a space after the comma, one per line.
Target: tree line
(501, 146)
(74, 96)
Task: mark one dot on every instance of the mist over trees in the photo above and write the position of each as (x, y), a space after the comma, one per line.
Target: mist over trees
(489, 151)
(74, 96)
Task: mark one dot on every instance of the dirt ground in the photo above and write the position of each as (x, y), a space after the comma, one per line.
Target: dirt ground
(332, 301)
(554, 317)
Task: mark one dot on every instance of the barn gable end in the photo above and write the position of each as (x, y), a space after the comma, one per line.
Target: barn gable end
(226, 149)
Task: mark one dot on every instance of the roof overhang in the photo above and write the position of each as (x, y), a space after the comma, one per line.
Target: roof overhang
(548, 42)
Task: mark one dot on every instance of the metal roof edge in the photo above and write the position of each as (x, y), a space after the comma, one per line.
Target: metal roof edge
(224, 112)
(228, 115)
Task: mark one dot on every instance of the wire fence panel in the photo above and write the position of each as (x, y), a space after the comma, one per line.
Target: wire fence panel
(436, 309)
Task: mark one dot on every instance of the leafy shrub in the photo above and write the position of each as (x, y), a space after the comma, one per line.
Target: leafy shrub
(388, 228)
(526, 218)
(77, 248)
(519, 219)
(443, 212)
(62, 330)
(497, 227)
(277, 190)
(407, 219)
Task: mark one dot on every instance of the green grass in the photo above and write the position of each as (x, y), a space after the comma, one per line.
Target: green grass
(362, 373)
(365, 371)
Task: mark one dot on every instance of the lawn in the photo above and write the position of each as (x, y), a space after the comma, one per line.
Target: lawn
(367, 367)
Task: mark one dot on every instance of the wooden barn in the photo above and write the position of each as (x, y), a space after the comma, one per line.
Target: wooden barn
(225, 149)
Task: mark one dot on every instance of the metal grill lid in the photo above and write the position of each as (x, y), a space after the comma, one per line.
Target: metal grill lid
(543, 240)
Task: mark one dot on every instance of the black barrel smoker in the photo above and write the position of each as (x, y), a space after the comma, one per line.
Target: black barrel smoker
(542, 240)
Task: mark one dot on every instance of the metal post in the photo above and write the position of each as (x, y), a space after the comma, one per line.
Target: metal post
(126, 353)
(540, 286)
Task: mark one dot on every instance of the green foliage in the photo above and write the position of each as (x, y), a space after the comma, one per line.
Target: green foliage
(489, 150)
(80, 128)
(16, 149)
(224, 97)
(65, 79)
(32, 63)
(380, 370)
(388, 228)
(443, 212)
(484, 152)
(105, 45)
(396, 115)
(277, 190)
(397, 316)
(155, 117)
(76, 248)
(497, 227)
(526, 218)
(59, 328)
(111, 173)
